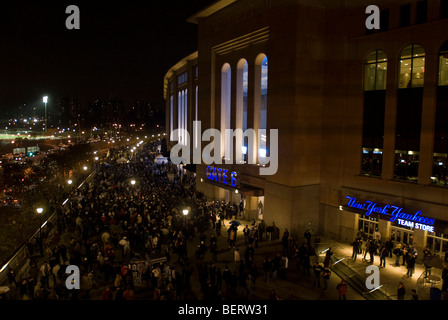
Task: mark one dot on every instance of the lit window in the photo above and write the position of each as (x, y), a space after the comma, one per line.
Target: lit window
(412, 67)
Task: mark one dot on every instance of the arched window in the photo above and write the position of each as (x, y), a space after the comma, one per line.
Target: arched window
(196, 115)
(412, 67)
(440, 148)
(262, 90)
(171, 112)
(443, 65)
(375, 71)
(185, 116)
(375, 74)
(182, 116)
(241, 100)
(226, 77)
(409, 112)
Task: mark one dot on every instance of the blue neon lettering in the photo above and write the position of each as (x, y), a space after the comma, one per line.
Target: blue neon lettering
(394, 213)
(224, 176)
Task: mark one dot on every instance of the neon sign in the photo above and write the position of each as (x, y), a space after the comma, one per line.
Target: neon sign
(221, 175)
(417, 220)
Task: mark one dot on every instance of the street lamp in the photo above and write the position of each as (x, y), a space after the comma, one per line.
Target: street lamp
(185, 213)
(132, 182)
(39, 212)
(69, 181)
(45, 100)
(84, 168)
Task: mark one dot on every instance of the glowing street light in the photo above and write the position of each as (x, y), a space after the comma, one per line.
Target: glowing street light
(132, 182)
(39, 210)
(45, 100)
(185, 213)
(69, 181)
(84, 168)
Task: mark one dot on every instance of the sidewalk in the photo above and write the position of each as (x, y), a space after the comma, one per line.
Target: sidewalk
(390, 276)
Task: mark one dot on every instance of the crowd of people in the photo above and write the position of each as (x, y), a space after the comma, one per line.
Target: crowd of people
(125, 230)
(122, 226)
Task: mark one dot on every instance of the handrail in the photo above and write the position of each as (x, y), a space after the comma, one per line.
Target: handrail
(51, 217)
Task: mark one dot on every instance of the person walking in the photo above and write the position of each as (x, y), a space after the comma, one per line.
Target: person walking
(411, 265)
(342, 290)
(445, 278)
(355, 252)
(383, 255)
(317, 269)
(398, 253)
(401, 291)
(326, 276)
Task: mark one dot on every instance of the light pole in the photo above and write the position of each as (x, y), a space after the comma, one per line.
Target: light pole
(39, 212)
(45, 101)
(185, 213)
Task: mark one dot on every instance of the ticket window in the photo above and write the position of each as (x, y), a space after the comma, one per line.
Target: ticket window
(369, 225)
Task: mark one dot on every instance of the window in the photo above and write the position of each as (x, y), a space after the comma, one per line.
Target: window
(405, 15)
(412, 67)
(437, 243)
(384, 20)
(368, 224)
(443, 9)
(440, 158)
(263, 106)
(409, 112)
(241, 103)
(182, 78)
(402, 234)
(171, 113)
(421, 12)
(182, 116)
(196, 115)
(226, 78)
(443, 65)
(375, 69)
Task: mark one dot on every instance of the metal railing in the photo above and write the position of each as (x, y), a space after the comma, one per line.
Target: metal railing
(20, 259)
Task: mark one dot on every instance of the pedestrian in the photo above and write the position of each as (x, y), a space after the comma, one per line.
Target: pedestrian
(267, 268)
(285, 244)
(398, 253)
(246, 233)
(317, 270)
(445, 278)
(383, 255)
(326, 276)
(107, 293)
(411, 265)
(342, 290)
(129, 294)
(236, 260)
(372, 251)
(414, 295)
(401, 291)
(307, 236)
(355, 246)
(12, 276)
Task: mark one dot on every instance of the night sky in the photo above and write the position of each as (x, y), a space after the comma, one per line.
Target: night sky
(123, 50)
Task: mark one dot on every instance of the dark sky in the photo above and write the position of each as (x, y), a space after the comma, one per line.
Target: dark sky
(123, 49)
